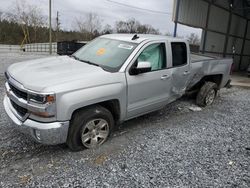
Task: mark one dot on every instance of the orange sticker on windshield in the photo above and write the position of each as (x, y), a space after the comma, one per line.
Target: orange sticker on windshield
(101, 51)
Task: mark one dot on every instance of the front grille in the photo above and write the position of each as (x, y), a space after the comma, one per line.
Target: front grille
(22, 111)
(18, 92)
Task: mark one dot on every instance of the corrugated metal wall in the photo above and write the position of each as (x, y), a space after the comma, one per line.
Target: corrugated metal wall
(222, 29)
(218, 19)
(238, 26)
(188, 12)
(248, 31)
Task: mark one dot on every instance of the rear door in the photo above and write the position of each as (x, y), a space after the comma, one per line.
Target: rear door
(180, 67)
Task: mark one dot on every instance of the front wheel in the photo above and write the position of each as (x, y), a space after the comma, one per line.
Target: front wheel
(89, 128)
(207, 94)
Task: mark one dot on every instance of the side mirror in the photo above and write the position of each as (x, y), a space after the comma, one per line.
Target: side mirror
(141, 67)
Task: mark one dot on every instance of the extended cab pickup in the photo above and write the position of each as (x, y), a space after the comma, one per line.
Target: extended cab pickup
(79, 99)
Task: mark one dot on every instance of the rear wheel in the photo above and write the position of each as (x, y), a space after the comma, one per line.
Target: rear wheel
(207, 94)
(89, 128)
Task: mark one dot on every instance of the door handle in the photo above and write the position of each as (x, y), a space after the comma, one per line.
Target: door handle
(164, 77)
(186, 72)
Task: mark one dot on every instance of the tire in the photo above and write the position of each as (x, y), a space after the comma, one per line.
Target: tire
(207, 94)
(89, 128)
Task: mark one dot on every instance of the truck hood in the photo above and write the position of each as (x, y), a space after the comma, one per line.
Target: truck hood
(39, 74)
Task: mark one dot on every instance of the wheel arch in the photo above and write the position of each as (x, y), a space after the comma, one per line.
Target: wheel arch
(112, 105)
(215, 78)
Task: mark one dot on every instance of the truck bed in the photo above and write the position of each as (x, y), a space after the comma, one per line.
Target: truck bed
(201, 57)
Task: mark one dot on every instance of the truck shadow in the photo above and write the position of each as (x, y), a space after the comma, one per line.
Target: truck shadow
(153, 119)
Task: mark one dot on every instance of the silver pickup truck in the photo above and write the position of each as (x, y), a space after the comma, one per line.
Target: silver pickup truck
(79, 99)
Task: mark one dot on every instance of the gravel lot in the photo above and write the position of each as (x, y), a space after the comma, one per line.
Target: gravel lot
(173, 147)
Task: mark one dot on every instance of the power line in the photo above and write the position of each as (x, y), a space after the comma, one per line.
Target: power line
(144, 9)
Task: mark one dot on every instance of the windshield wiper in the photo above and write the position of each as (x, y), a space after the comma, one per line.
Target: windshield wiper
(88, 62)
(91, 63)
(76, 58)
(84, 61)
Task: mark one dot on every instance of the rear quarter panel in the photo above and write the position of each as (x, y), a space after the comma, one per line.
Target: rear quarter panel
(200, 69)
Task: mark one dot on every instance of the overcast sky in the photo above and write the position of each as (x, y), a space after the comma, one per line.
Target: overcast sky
(160, 16)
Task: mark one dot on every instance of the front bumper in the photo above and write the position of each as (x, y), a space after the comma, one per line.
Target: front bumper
(45, 133)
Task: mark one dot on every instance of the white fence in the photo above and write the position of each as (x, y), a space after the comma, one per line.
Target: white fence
(40, 47)
(9, 48)
(34, 47)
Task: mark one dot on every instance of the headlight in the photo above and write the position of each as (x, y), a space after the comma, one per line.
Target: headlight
(41, 106)
(41, 99)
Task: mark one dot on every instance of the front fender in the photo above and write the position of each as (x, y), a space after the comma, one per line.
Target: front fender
(68, 102)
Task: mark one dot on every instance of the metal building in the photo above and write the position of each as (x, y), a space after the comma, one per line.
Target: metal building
(225, 26)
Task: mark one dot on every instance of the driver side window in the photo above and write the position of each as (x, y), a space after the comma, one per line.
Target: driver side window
(155, 54)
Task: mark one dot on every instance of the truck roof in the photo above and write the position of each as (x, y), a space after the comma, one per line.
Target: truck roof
(142, 37)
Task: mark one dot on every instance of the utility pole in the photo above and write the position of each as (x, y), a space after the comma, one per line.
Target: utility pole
(57, 25)
(177, 8)
(50, 35)
(57, 21)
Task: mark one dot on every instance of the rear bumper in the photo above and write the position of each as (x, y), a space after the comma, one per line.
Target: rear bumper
(228, 84)
(45, 133)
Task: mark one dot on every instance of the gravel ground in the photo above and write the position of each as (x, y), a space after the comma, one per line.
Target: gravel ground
(173, 147)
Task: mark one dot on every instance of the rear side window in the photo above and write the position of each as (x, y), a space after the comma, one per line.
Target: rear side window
(179, 53)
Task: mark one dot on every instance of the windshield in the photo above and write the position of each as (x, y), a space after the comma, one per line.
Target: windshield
(107, 53)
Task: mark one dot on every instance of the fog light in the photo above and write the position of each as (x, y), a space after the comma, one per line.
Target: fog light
(38, 135)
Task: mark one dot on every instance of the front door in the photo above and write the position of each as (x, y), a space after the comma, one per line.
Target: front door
(149, 91)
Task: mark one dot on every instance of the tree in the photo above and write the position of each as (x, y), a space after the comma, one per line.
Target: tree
(89, 26)
(107, 29)
(129, 26)
(36, 20)
(168, 34)
(193, 39)
(147, 29)
(121, 27)
(28, 16)
(1, 16)
(134, 26)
